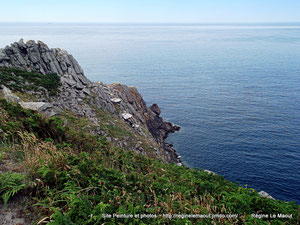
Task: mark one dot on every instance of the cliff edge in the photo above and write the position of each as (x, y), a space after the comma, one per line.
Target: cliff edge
(86, 99)
(98, 154)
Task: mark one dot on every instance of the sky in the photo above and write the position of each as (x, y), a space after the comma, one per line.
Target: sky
(150, 11)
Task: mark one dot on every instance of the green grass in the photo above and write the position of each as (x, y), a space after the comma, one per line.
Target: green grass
(20, 80)
(1, 156)
(112, 125)
(76, 177)
(15, 119)
(25, 96)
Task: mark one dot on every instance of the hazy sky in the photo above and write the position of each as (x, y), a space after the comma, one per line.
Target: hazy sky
(158, 11)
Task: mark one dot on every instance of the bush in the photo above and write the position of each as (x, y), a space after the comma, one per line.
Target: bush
(20, 80)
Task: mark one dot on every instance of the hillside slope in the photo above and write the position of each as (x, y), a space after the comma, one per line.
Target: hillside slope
(97, 154)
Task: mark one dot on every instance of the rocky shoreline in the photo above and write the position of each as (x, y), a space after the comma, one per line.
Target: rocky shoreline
(83, 97)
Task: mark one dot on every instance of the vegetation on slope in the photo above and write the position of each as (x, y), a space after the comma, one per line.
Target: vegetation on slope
(20, 80)
(76, 178)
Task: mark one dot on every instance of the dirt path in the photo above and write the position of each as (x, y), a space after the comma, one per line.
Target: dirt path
(13, 212)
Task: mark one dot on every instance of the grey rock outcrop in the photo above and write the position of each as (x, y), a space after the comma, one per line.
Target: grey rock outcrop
(126, 116)
(42, 107)
(210, 172)
(9, 96)
(83, 97)
(38, 106)
(38, 57)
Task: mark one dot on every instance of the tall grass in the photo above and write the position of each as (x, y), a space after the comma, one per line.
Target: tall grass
(76, 177)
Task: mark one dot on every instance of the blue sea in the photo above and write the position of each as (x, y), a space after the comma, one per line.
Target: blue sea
(233, 88)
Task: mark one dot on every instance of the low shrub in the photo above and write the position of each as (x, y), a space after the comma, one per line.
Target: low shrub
(20, 80)
(80, 177)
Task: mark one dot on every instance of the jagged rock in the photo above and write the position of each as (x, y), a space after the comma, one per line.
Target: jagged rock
(155, 109)
(82, 95)
(126, 116)
(75, 87)
(79, 86)
(3, 57)
(70, 82)
(264, 194)
(86, 91)
(38, 57)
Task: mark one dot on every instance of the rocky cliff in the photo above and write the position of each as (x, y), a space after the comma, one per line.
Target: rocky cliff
(84, 98)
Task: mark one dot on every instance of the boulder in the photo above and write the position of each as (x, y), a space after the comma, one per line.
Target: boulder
(70, 82)
(126, 116)
(86, 91)
(116, 100)
(264, 194)
(9, 96)
(210, 172)
(38, 106)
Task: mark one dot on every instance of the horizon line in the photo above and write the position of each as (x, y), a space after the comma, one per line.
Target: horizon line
(151, 23)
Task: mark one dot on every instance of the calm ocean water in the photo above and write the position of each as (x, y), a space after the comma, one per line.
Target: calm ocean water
(234, 90)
